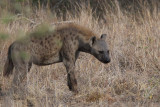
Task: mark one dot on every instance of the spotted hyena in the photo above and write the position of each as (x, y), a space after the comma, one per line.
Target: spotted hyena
(45, 46)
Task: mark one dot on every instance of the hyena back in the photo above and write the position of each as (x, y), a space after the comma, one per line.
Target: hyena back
(45, 46)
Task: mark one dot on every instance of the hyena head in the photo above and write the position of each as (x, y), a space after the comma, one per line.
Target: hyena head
(99, 48)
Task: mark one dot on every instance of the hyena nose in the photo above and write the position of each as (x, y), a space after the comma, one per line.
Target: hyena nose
(107, 60)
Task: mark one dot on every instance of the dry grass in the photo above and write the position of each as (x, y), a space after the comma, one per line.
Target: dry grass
(131, 79)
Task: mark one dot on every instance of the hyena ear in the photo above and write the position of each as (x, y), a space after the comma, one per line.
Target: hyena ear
(92, 40)
(103, 36)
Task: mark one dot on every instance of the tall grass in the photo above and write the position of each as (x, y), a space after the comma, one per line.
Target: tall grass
(131, 79)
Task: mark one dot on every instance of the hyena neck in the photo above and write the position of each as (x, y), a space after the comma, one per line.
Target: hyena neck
(84, 47)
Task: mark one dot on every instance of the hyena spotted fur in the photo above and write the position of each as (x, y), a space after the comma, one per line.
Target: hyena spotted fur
(45, 46)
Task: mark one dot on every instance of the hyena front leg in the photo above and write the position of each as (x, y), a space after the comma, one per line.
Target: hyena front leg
(72, 82)
(69, 54)
(69, 62)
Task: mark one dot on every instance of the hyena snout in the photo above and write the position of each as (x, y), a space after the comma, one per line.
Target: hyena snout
(103, 57)
(106, 58)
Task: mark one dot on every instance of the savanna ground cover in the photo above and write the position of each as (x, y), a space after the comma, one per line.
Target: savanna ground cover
(132, 78)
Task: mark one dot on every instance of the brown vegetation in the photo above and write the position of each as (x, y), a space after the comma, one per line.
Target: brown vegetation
(131, 79)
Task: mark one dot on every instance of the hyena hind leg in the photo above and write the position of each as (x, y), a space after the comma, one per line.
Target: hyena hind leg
(19, 84)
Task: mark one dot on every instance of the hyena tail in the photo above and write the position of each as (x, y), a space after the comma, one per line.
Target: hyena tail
(8, 67)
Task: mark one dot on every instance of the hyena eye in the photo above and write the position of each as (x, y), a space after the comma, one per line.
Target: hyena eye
(101, 52)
